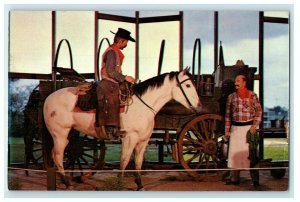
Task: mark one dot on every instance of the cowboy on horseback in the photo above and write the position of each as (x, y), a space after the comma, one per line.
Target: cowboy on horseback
(108, 112)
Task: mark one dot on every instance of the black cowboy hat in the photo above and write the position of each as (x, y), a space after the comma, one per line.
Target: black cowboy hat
(123, 33)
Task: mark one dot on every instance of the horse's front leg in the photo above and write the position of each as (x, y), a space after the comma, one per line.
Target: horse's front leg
(138, 181)
(139, 156)
(128, 144)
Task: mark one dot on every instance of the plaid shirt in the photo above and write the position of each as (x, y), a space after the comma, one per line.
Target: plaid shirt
(242, 110)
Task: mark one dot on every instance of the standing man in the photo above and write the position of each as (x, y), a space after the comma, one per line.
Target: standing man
(108, 90)
(243, 116)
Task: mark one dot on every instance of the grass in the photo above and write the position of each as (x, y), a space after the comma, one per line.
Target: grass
(277, 149)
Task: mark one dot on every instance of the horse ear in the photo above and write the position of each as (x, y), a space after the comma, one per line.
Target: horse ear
(186, 69)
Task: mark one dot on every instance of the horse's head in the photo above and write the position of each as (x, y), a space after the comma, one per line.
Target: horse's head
(185, 91)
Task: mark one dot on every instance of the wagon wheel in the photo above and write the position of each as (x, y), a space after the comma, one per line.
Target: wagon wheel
(32, 140)
(198, 145)
(84, 152)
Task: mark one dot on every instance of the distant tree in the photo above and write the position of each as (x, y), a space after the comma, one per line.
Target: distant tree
(17, 100)
(280, 111)
(277, 109)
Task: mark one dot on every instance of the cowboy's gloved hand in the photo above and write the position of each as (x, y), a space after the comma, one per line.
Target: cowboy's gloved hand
(130, 79)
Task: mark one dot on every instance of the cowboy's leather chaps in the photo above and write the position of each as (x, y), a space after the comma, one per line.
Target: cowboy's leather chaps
(108, 111)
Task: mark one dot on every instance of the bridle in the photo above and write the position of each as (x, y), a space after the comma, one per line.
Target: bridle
(186, 97)
(179, 84)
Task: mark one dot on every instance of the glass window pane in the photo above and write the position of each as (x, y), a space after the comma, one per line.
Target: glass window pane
(239, 37)
(151, 36)
(30, 42)
(199, 24)
(78, 28)
(276, 70)
(105, 28)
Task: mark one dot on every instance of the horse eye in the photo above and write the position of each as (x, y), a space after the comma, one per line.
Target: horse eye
(188, 85)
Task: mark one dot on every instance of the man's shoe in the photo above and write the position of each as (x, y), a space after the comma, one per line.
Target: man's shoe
(226, 176)
(230, 182)
(255, 183)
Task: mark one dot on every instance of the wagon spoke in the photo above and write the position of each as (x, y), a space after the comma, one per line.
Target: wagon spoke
(194, 141)
(37, 159)
(215, 160)
(207, 157)
(84, 160)
(90, 156)
(201, 161)
(193, 149)
(36, 150)
(197, 132)
(192, 158)
(204, 129)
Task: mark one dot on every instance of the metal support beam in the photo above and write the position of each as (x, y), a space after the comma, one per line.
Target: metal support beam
(96, 47)
(51, 178)
(137, 35)
(216, 39)
(261, 62)
(180, 40)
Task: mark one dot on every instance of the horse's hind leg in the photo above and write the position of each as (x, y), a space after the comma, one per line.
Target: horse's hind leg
(60, 143)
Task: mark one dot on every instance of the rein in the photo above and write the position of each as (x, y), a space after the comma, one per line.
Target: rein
(180, 86)
(153, 110)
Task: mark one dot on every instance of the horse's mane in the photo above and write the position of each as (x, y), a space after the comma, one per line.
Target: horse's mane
(154, 82)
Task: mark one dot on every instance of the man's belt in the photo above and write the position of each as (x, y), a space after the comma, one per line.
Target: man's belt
(236, 123)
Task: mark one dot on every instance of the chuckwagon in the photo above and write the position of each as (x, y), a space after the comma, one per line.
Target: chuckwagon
(195, 138)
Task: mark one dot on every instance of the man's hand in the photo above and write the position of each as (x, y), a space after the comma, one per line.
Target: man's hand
(130, 79)
(253, 129)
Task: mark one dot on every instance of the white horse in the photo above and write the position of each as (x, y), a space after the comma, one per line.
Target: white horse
(137, 122)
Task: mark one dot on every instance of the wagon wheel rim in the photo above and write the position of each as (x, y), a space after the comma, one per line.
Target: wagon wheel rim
(33, 149)
(32, 139)
(84, 152)
(198, 145)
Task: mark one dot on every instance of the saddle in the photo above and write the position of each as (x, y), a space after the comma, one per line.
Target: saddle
(90, 100)
(87, 96)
